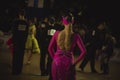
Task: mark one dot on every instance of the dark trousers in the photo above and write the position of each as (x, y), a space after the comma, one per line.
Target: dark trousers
(90, 56)
(105, 68)
(49, 67)
(17, 61)
(105, 63)
(43, 56)
(45, 60)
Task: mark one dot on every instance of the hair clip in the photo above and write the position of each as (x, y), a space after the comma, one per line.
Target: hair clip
(64, 21)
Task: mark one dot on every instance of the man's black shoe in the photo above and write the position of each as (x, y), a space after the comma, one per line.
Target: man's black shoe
(94, 71)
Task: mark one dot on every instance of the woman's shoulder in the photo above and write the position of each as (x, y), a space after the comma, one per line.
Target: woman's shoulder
(56, 32)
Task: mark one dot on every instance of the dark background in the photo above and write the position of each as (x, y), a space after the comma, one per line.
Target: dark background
(91, 9)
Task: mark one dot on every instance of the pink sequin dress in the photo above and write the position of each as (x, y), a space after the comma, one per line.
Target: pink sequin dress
(63, 60)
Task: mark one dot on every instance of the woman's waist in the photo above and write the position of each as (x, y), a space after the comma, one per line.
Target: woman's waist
(31, 36)
(64, 53)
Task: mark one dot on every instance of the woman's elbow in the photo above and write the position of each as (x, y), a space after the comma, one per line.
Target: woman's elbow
(84, 52)
(49, 48)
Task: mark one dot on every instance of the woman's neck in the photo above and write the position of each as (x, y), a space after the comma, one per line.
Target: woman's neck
(68, 28)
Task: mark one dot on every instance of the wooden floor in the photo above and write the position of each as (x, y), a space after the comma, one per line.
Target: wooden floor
(32, 71)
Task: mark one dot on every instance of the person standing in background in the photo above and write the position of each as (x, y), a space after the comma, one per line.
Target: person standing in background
(107, 53)
(41, 35)
(51, 29)
(94, 40)
(20, 32)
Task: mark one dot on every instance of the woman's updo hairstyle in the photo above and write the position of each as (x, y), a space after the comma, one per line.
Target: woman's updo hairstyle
(67, 17)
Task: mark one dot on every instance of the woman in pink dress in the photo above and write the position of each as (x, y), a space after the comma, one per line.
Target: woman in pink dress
(63, 65)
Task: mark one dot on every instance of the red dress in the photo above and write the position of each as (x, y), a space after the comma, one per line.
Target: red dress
(63, 60)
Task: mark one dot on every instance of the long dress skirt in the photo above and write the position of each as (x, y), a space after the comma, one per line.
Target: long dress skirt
(32, 44)
(61, 67)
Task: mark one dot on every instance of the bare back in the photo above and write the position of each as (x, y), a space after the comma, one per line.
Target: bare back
(64, 40)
